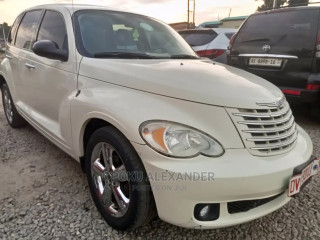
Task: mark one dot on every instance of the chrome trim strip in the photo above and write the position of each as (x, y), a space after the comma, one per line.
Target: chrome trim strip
(261, 115)
(269, 56)
(266, 122)
(274, 138)
(276, 146)
(263, 130)
(279, 103)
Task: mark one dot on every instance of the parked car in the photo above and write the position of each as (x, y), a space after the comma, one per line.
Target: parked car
(210, 42)
(155, 128)
(282, 46)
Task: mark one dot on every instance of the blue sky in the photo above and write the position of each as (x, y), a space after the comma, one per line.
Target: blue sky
(166, 10)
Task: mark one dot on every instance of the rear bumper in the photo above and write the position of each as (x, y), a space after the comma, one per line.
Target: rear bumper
(306, 96)
(221, 59)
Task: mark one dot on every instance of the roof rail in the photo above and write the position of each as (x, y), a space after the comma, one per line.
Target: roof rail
(295, 5)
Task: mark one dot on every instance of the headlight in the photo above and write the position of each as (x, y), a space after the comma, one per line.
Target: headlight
(175, 140)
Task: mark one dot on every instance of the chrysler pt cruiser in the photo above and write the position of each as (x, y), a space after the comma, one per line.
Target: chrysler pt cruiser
(157, 130)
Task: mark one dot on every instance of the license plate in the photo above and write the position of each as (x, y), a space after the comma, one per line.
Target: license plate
(270, 62)
(297, 182)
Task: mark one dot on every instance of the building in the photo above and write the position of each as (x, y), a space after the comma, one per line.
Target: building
(213, 24)
(233, 22)
(229, 22)
(179, 26)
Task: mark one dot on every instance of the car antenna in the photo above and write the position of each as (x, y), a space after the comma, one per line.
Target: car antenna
(4, 36)
(75, 51)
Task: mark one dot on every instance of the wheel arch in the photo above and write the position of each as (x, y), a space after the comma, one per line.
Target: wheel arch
(2, 80)
(91, 125)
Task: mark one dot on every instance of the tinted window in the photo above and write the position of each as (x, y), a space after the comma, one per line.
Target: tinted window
(27, 29)
(296, 28)
(13, 30)
(118, 32)
(199, 38)
(53, 28)
(229, 35)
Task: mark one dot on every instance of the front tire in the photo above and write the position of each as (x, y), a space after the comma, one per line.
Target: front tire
(14, 119)
(117, 180)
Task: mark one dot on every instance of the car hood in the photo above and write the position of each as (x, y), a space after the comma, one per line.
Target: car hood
(191, 80)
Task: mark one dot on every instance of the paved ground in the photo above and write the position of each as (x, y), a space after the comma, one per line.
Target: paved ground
(44, 195)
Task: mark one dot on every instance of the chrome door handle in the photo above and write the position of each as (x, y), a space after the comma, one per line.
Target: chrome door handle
(9, 56)
(30, 66)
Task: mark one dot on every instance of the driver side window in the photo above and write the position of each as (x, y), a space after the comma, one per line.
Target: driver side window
(53, 28)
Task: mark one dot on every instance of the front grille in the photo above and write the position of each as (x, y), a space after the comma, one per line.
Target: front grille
(244, 206)
(266, 131)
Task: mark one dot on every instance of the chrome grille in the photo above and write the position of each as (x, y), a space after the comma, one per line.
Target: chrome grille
(266, 131)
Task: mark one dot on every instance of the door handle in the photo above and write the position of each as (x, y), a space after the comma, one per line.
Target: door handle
(9, 56)
(30, 66)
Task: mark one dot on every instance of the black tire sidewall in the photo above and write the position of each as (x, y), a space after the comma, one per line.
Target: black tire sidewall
(17, 120)
(4, 87)
(139, 190)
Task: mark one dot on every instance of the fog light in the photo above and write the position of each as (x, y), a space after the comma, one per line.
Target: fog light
(204, 211)
(207, 212)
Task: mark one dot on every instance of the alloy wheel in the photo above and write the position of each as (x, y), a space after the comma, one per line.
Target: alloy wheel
(8, 107)
(110, 179)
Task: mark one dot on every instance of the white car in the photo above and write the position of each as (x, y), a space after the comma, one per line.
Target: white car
(209, 42)
(156, 129)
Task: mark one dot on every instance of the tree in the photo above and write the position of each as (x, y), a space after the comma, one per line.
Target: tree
(268, 4)
(6, 30)
(298, 2)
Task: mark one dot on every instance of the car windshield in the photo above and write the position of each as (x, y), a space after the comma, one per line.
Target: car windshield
(112, 34)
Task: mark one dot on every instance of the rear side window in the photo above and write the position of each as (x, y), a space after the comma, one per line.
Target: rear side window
(53, 28)
(293, 28)
(27, 29)
(199, 38)
(12, 34)
(229, 35)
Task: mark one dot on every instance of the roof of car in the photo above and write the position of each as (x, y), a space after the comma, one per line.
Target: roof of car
(286, 9)
(76, 7)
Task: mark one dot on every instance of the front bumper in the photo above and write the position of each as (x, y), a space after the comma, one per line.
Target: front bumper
(238, 176)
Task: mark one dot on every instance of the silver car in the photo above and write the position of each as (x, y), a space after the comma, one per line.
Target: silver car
(210, 42)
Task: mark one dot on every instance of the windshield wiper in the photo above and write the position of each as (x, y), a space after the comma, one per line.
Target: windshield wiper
(258, 40)
(128, 55)
(184, 56)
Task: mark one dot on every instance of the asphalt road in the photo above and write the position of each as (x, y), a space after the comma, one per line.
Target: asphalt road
(44, 195)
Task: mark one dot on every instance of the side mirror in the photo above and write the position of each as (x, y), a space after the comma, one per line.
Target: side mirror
(49, 49)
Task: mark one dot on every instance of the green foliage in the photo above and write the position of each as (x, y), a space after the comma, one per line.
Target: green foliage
(298, 2)
(268, 4)
(6, 30)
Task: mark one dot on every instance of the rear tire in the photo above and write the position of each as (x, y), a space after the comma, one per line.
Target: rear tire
(124, 201)
(14, 119)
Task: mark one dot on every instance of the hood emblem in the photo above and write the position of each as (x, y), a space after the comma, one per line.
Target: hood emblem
(278, 103)
(266, 48)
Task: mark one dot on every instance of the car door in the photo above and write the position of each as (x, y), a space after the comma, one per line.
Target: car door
(51, 83)
(25, 25)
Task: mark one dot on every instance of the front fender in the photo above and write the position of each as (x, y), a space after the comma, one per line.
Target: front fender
(127, 108)
(6, 73)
